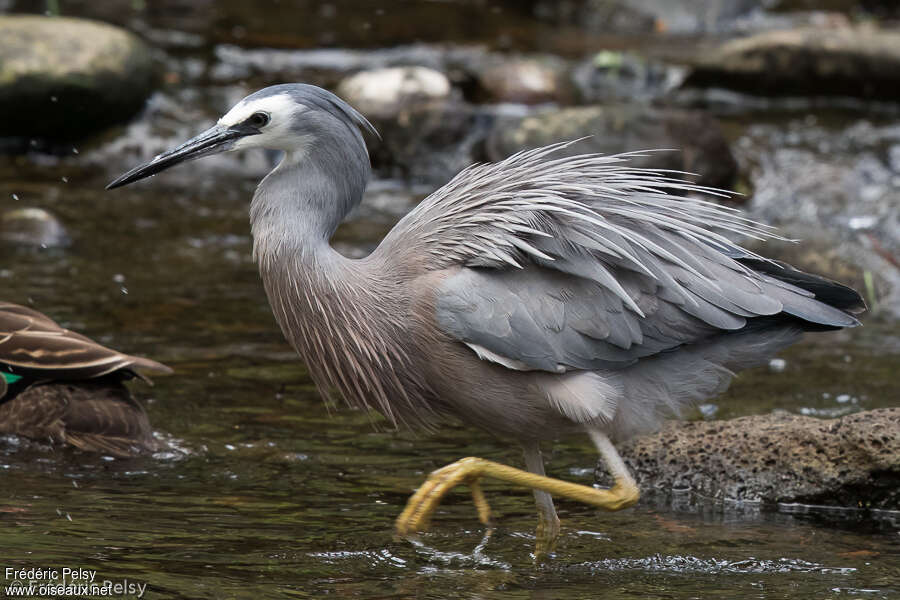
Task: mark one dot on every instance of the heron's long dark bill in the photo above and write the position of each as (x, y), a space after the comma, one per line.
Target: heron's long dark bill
(213, 140)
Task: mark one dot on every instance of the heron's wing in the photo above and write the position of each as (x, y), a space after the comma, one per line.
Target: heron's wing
(585, 263)
(32, 344)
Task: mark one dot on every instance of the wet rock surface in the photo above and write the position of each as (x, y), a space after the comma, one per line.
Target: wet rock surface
(842, 61)
(702, 148)
(63, 78)
(853, 461)
(30, 226)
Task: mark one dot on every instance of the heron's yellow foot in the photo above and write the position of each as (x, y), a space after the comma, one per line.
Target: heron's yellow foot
(417, 514)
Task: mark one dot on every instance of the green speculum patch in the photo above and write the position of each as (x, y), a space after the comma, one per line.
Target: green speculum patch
(9, 377)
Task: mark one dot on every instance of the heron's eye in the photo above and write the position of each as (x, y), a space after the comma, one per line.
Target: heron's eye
(259, 119)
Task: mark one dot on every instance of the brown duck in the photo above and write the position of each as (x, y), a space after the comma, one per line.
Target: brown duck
(60, 386)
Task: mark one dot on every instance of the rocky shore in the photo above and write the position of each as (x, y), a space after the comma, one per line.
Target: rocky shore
(852, 462)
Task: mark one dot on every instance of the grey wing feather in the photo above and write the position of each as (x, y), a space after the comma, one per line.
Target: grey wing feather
(586, 263)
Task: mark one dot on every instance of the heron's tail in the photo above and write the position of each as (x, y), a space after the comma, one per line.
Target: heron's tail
(826, 304)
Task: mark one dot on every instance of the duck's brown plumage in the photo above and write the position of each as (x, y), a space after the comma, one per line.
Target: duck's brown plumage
(69, 389)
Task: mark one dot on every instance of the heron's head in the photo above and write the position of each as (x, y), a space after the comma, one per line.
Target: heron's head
(294, 117)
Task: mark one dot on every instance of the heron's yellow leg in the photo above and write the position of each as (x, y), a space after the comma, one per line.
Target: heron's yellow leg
(481, 503)
(417, 514)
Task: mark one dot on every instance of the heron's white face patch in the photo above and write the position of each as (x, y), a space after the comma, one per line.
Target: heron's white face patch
(277, 134)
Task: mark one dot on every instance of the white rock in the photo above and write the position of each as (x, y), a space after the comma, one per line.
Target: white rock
(385, 92)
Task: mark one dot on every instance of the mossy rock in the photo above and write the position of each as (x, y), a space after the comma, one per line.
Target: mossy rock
(63, 79)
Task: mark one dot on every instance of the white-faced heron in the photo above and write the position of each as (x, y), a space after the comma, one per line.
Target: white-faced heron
(534, 297)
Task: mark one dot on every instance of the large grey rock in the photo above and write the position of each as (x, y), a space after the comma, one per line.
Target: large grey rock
(853, 461)
(64, 78)
(859, 62)
(702, 148)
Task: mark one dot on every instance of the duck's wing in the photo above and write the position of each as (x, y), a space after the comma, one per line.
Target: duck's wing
(34, 345)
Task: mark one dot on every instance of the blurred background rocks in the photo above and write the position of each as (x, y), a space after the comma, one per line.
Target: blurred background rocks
(792, 103)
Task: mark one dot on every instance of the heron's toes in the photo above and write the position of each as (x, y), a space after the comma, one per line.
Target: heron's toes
(622, 495)
(421, 505)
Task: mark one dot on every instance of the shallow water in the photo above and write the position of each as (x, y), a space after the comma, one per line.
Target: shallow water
(267, 492)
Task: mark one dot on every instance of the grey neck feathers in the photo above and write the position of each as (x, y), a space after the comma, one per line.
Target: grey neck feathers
(298, 206)
(341, 315)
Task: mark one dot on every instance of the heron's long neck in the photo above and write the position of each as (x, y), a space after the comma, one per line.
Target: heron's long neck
(297, 207)
(294, 212)
(341, 315)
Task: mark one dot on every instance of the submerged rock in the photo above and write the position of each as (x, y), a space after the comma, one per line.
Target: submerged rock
(32, 227)
(703, 148)
(63, 78)
(853, 461)
(858, 62)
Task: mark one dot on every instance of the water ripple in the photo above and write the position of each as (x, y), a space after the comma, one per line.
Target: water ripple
(693, 564)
